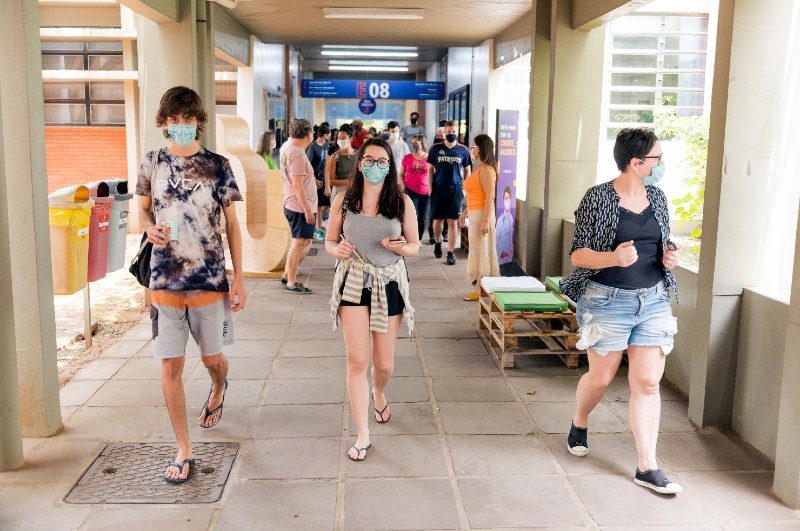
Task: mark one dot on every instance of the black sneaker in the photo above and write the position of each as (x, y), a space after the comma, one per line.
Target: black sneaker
(578, 441)
(431, 241)
(297, 288)
(284, 281)
(444, 238)
(656, 480)
(437, 250)
(451, 258)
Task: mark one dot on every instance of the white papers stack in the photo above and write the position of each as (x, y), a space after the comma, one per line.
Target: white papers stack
(518, 284)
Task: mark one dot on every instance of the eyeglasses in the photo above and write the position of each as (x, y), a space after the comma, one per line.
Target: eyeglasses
(369, 162)
(473, 147)
(658, 158)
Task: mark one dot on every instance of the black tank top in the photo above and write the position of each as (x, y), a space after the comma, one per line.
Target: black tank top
(647, 271)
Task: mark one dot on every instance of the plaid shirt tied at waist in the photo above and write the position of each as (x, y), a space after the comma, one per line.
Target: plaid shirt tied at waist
(351, 272)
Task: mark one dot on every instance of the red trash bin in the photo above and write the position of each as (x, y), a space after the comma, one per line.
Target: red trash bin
(98, 230)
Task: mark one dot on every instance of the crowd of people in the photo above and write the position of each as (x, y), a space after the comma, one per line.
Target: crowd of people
(380, 192)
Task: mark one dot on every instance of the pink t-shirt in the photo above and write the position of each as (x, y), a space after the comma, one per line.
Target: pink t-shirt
(416, 176)
(295, 162)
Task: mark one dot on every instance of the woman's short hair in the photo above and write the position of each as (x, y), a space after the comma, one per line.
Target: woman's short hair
(182, 101)
(421, 140)
(300, 128)
(632, 144)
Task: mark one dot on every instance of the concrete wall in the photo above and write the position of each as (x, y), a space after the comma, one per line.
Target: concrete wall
(459, 68)
(432, 107)
(762, 333)
(267, 71)
(479, 97)
(679, 362)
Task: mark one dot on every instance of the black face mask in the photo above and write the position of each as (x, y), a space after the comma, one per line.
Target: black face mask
(438, 140)
(414, 121)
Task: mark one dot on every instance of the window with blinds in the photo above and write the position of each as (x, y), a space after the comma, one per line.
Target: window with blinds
(654, 62)
(90, 103)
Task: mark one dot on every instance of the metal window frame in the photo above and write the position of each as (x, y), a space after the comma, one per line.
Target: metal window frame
(87, 101)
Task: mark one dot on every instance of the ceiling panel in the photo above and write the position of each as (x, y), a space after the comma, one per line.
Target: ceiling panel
(301, 23)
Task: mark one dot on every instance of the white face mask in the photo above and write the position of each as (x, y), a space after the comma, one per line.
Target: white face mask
(343, 144)
(394, 136)
(507, 204)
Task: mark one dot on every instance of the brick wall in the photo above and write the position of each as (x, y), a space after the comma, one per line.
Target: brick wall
(77, 155)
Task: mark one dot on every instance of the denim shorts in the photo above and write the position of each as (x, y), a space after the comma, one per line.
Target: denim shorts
(611, 319)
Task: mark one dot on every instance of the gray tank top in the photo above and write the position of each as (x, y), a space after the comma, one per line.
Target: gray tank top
(366, 233)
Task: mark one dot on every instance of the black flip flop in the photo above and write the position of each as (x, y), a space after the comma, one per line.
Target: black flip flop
(218, 408)
(180, 467)
(358, 452)
(380, 412)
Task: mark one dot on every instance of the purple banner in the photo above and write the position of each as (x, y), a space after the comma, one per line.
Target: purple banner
(507, 134)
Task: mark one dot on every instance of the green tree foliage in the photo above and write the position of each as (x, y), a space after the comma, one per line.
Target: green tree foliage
(692, 133)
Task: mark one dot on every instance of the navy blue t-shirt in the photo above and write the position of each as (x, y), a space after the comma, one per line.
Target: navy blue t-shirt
(447, 165)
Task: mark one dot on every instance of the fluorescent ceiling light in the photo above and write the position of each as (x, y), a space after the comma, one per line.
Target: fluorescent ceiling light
(373, 13)
(355, 53)
(369, 68)
(367, 63)
(361, 47)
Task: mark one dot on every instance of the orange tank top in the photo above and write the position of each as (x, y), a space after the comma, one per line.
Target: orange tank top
(476, 197)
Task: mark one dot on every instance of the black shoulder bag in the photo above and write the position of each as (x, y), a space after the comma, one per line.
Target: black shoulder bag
(140, 265)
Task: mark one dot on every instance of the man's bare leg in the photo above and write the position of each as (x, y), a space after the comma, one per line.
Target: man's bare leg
(171, 372)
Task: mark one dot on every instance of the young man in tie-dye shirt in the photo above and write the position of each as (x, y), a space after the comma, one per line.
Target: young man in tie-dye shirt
(183, 190)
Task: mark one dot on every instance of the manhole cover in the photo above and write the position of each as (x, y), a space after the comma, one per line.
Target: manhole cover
(134, 473)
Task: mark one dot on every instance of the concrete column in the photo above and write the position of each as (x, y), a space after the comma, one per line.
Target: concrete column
(28, 226)
(751, 175)
(171, 54)
(565, 124)
(10, 433)
(787, 458)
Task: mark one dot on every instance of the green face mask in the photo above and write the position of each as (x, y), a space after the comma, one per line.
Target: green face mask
(182, 134)
(375, 174)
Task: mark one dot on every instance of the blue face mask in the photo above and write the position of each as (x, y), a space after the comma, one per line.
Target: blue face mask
(451, 138)
(374, 174)
(655, 175)
(182, 134)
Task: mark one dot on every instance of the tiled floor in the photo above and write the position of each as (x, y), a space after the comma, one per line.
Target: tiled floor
(468, 446)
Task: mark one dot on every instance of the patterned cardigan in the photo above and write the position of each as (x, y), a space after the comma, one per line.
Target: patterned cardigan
(596, 226)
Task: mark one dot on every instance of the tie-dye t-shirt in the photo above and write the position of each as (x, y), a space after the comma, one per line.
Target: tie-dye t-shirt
(190, 191)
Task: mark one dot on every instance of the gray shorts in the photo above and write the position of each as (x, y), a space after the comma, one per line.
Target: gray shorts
(206, 315)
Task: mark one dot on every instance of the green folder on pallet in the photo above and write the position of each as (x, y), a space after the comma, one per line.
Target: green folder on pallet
(552, 283)
(530, 302)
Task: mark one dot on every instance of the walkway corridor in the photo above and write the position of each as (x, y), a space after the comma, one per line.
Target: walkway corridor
(468, 446)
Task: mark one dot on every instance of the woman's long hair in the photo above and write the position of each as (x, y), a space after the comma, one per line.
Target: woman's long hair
(391, 203)
(265, 143)
(486, 150)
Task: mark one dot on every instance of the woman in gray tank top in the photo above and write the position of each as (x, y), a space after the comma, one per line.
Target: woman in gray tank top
(366, 232)
(340, 165)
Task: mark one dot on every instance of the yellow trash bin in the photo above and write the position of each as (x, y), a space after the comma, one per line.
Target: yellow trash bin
(69, 243)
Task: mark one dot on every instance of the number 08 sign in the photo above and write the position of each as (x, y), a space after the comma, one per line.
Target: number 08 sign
(376, 90)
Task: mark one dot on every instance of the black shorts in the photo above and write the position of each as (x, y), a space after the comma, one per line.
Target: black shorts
(322, 199)
(298, 225)
(393, 298)
(446, 206)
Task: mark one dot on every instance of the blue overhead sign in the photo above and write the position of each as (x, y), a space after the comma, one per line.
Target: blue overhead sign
(383, 90)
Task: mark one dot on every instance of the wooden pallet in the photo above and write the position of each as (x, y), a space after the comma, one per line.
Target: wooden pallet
(525, 333)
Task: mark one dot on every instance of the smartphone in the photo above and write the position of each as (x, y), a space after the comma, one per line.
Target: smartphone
(398, 241)
(671, 246)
